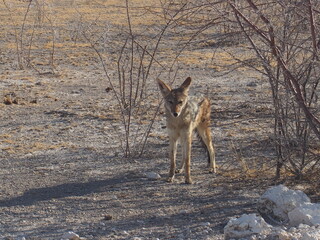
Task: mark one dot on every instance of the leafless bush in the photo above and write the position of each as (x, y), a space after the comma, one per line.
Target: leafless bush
(284, 36)
(137, 107)
(28, 24)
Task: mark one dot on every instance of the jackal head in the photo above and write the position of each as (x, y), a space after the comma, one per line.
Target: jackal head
(175, 99)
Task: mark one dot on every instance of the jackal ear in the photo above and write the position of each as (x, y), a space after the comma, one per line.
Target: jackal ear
(164, 88)
(186, 84)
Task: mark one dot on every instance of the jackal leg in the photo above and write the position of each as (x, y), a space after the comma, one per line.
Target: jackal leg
(186, 139)
(180, 169)
(172, 156)
(205, 134)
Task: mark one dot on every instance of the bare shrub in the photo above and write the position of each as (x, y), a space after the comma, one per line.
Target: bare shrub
(129, 79)
(285, 39)
(283, 35)
(29, 20)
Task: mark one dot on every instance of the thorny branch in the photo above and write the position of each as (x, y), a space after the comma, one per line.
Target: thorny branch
(291, 80)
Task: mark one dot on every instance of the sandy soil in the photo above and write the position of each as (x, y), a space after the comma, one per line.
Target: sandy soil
(60, 170)
(62, 167)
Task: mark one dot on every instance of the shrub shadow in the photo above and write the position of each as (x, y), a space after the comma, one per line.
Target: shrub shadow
(32, 196)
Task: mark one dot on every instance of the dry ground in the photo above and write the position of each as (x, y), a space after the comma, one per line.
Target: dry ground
(61, 165)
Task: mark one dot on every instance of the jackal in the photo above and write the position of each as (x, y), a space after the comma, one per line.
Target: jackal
(185, 114)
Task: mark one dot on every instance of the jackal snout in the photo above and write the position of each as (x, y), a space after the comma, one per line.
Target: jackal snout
(175, 103)
(175, 99)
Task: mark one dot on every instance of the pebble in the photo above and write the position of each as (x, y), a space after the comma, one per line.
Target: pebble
(252, 84)
(70, 236)
(205, 224)
(107, 217)
(153, 175)
(183, 211)
(206, 232)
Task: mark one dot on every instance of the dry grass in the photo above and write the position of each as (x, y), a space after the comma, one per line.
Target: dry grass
(12, 144)
(61, 13)
(53, 28)
(33, 148)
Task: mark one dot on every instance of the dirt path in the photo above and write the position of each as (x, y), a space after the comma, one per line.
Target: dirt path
(60, 172)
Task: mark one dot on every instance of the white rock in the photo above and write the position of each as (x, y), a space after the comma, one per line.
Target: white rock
(246, 226)
(311, 235)
(205, 224)
(152, 175)
(70, 236)
(282, 234)
(278, 201)
(282, 205)
(305, 232)
(183, 211)
(307, 213)
(205, 232)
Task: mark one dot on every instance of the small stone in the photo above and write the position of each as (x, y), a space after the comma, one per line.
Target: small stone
(70, 236)
(183, 212)
(107, 217)
(205, 224)
(252, 84)
(152, 175)
(108, 89)
(246, 226)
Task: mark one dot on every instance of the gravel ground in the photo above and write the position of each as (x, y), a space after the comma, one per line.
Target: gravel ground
(62, 166)
(60, 171)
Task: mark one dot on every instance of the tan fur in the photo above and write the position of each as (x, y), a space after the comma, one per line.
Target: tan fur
(185, 114)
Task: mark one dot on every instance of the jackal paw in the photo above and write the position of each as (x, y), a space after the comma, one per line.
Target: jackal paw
(212, 170)
(170, 179)
(188, 181)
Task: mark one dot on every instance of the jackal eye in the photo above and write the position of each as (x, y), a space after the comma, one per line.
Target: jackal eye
(180, 102)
